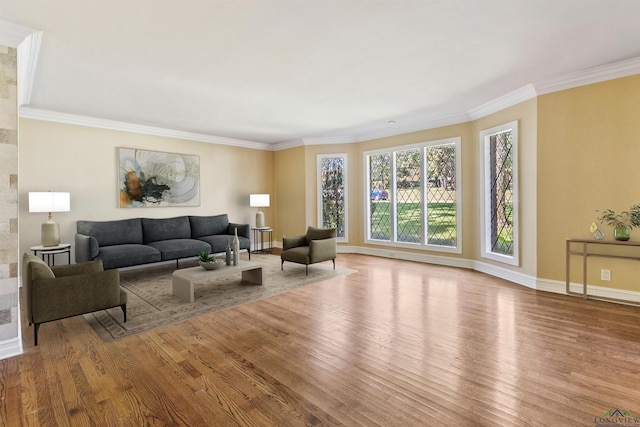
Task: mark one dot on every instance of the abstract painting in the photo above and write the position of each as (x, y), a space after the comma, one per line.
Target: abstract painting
(157, 179)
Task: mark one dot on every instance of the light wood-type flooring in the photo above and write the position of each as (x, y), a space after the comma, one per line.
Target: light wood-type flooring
(396, 344)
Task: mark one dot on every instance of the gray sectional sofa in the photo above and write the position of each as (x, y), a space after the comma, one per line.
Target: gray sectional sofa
(128, 242)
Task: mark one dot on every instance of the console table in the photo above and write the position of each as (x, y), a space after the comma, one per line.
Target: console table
(589, 248)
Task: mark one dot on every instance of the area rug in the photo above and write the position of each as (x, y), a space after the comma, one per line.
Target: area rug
(151, 303)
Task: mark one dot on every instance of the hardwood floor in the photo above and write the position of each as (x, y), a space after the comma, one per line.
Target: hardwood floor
(395, 344)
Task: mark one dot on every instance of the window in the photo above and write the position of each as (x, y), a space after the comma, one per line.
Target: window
(500, 196)
(332, 193)
(413, 196)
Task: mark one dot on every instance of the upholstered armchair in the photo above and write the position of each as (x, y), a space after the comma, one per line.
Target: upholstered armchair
(318, 245)
(54, 293)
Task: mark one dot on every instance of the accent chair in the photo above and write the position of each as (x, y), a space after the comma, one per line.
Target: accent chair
(317, 245)
(58, 292)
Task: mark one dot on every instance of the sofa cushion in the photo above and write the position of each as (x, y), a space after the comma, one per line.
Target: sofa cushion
(208, 225)
(107, 233)
(180, 248)
(299, 255)
(155, 230)
(125, 255)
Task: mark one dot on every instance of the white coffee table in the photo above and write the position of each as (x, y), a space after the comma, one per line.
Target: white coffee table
(183, 280)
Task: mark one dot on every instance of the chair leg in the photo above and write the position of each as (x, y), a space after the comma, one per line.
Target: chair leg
(36, 326)
(282, 265)
(124, 311)
(334, 263)
(306, 268)
(249, 251)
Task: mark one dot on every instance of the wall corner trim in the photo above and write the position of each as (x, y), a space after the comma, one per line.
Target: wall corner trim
(11, 347)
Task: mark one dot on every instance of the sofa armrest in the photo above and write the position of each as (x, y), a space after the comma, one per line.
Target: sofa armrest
(243, 230)
(87, 248)
(66, 296)
(322, 250)
(293, 242)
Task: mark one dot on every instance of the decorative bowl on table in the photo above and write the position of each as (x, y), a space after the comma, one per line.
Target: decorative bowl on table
(212, 265)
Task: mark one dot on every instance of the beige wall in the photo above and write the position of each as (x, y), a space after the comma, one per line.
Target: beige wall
(289, 196)
(588, 151)
(82, 160)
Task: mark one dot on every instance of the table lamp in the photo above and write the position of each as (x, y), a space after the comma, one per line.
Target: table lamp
(49, 202)
(259, 201)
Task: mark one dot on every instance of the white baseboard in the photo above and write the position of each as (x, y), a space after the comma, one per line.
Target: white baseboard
(11, 347)
(407, 256)
(506, 274)
(503, 273)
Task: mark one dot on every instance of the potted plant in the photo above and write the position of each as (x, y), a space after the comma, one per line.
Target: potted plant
(634, 214)
(622, 222)
(208, 261)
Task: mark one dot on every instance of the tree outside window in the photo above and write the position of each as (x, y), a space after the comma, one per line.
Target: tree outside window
(500, 207)
(332, 189)
(414, 195)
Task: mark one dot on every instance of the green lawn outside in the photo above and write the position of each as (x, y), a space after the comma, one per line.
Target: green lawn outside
(442, 223)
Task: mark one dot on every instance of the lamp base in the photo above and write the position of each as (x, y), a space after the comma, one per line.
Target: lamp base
(50, 234)
(259, 219)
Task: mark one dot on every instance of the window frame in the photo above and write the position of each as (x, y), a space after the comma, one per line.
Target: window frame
(485, 196)
(422, 245)
(345, 180)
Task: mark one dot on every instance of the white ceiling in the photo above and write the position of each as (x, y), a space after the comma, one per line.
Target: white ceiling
(274, 71)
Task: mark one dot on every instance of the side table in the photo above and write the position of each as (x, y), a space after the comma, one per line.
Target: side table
(258, 239)
(51, 251)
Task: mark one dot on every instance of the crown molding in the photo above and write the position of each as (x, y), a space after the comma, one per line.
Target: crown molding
(12, 34)
(329, 140)
(589, 76)
(515, 97)
(288, 144)
(393, 130)
(427, 123)
(28, 52)
(322, 140)
(73, 119)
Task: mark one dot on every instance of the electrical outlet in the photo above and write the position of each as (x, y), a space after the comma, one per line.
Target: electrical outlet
(605, 275)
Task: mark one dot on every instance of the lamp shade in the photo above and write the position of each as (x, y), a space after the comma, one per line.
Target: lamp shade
(49, 201)
(259, 200)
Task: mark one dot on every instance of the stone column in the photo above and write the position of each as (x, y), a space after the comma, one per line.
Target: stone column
(10, 335)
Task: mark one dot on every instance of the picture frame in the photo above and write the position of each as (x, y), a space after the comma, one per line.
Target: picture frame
(148, 178)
